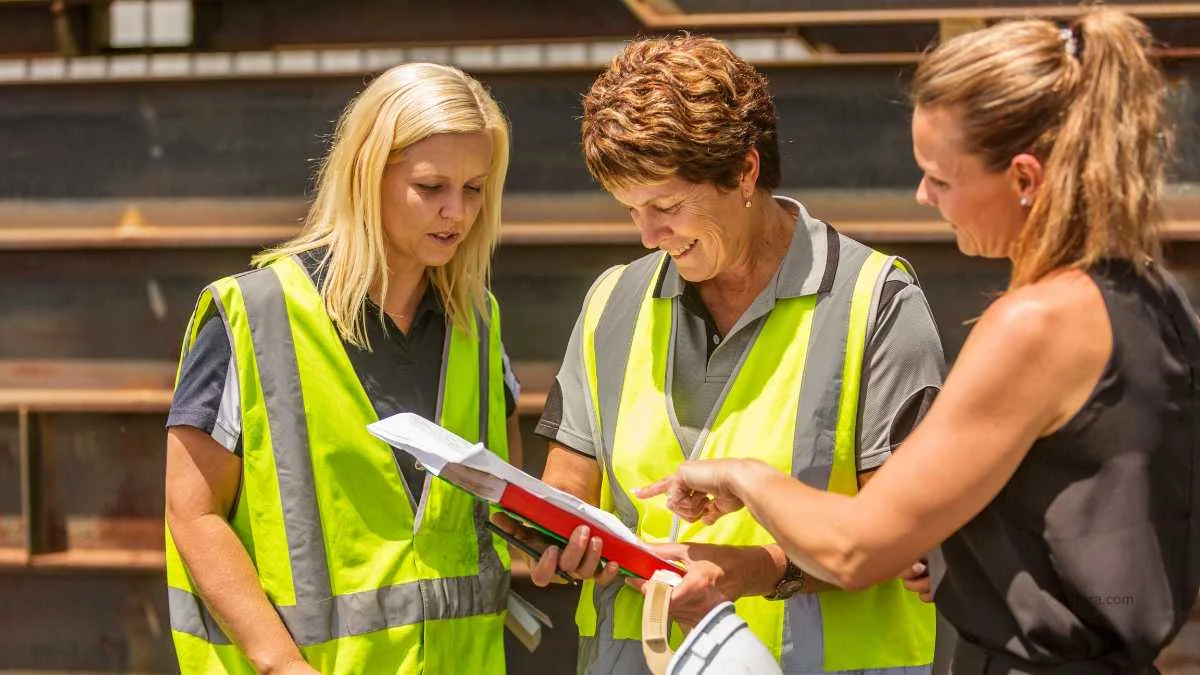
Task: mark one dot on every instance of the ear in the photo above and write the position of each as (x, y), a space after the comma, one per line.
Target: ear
(1026, 175)
(749, 177)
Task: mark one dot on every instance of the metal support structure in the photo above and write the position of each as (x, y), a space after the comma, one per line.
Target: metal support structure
(651, 15)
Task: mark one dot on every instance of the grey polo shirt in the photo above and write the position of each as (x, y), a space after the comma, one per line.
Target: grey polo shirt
(902, 372)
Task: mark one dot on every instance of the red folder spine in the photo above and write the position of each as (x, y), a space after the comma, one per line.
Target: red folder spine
(563, 523)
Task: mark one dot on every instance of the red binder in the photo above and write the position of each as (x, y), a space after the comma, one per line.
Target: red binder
(554, 520)
(562, 523)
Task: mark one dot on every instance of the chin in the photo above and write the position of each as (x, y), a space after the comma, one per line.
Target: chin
(695, 272)
(437, 259)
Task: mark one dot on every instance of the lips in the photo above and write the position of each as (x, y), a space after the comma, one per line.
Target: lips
(683, 250)
(445, 238)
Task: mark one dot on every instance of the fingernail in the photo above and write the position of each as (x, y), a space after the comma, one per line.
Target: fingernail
(918, 568)
(596, 542)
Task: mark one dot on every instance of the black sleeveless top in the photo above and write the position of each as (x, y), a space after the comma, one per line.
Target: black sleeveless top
(1088, 560)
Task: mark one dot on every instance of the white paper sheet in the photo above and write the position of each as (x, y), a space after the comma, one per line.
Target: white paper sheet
(434, 447)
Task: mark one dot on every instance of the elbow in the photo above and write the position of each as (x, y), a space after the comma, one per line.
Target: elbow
(847, 570)
(848, 564)
(853, 579)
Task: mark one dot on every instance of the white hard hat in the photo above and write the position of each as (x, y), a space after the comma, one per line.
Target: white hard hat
(722, 644)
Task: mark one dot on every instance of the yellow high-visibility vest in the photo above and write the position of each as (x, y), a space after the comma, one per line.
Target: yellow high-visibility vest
(792, 403)
(364, 582)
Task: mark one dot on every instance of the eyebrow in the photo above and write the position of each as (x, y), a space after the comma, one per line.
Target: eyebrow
(654, 199)
(927, 171)
(438, 176)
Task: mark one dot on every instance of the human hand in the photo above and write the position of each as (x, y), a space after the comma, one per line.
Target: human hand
(715, 574)
(916, 579)
(579, 559)
(704, 490)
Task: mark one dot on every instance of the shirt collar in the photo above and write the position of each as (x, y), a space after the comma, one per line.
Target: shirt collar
(807, 267)
(430, 300)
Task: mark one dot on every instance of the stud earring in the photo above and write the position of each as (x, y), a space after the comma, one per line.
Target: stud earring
(1026, 201)
(747, 203)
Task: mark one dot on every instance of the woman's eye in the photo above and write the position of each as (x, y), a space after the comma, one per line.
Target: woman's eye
(475, 188)
(428, 187)
(669, 210)
(940, 184)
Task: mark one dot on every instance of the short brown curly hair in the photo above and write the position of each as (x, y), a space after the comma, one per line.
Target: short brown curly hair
(680, 105)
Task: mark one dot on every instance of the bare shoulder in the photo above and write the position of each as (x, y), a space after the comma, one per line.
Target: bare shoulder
(1064, 310)
(1056, 331)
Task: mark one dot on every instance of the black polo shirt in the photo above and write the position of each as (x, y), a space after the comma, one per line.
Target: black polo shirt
(400, 374)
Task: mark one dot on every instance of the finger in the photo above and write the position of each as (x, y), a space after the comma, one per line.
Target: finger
(914, 571)
(591, 561)
(576, 548)
(505, 522)
(926, 597)
(688, 507)
(606, 576)
(637, 584)
(712, 514)
(543, 572)
(670, 551)
(659, 487)
(918, 585)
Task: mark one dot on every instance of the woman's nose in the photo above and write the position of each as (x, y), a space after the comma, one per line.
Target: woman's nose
(923, 196)
(653, 230)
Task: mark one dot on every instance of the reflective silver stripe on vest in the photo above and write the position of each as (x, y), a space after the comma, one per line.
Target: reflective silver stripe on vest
(355, 613)
(490, 565)
(614, 334)
(803, 645)
(189, 615)
(602, 655)
(318, 616)
(279, 377)
(821, 386)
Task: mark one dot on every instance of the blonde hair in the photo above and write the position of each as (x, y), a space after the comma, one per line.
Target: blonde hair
(679, 105)
(403, 106)
(1088, 102)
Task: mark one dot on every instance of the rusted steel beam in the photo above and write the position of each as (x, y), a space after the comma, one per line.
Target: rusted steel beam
(31, 386)
(534, 221)
(29, 497)
(655, 19)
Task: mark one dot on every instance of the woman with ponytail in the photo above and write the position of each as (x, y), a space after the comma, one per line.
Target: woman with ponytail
(1058, 466)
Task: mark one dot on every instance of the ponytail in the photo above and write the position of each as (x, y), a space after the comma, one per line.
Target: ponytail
(1088, 102)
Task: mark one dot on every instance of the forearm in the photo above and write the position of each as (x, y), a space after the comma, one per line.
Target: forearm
(816, 529)
(226, 580)
(516, 450)
(572, 473)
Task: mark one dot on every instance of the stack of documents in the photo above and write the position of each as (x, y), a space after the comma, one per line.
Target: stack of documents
(475, 469)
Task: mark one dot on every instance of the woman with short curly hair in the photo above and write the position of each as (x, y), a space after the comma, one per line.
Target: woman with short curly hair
(753, 330)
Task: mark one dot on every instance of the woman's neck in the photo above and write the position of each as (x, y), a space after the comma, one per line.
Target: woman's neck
(768, 236)
(406, 284)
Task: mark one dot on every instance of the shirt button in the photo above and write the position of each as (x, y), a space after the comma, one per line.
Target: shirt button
(716, 339)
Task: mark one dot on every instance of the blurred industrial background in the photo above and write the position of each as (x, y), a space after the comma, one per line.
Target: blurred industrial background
(147, 148)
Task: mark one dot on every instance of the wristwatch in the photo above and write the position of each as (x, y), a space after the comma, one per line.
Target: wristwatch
(791, 583)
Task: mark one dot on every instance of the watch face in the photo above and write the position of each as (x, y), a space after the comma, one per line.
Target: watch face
(790, 587)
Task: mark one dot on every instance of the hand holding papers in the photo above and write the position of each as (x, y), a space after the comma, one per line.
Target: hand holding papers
(483, 474)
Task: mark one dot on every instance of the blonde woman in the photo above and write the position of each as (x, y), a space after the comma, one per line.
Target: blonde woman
(1057, 469)
(297, 542)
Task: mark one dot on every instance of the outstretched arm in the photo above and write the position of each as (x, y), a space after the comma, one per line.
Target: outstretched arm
(1031, 362)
